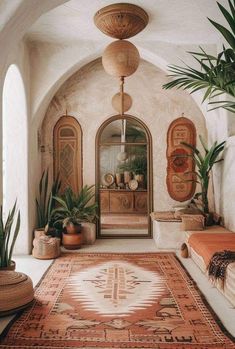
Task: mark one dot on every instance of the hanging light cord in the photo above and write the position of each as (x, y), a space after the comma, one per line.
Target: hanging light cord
(122, 94)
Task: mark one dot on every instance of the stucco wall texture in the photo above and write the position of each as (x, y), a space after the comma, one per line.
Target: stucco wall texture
(87, 96)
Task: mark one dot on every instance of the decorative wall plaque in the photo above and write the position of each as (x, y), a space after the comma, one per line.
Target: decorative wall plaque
(179, 186)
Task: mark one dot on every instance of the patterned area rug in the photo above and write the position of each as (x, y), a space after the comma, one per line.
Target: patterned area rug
(117, 301)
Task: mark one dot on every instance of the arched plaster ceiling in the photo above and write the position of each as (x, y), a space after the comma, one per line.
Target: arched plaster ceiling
(181, 21)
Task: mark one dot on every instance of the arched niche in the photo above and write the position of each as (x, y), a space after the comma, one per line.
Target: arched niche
(123, 150)
(67, 155)
(15, 157)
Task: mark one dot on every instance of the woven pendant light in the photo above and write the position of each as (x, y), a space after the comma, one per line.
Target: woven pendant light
(117, 103)
(121, 58)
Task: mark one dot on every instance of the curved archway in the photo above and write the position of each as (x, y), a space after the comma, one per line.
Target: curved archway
(124, 177)
(15, 159)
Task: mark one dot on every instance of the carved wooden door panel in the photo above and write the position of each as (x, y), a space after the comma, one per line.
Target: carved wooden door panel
(67, 140)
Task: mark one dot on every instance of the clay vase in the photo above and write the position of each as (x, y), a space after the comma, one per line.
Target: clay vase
(119, 178)
(127, 177)
(140, 179)
(72, 241)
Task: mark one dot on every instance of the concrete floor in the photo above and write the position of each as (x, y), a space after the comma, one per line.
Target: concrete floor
(225, 311)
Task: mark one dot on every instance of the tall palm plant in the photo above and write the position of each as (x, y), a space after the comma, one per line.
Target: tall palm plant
(204, 163)
(217, 73)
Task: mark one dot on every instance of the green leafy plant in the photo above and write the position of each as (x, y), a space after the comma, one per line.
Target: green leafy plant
(138, 165)
(7, 237)
(46, 201)
(75, 208)
(204, 164)
(217, 73)
(135, 133)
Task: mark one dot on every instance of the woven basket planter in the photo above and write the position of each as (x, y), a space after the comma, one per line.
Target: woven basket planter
(89, 233)
(46, 247)
(16, 292)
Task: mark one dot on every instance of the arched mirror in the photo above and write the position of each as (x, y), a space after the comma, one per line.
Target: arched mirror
(124, 179)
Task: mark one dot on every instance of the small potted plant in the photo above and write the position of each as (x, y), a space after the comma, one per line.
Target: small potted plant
(205, 162)
(45, 204)
(76, 215)
(8, 239)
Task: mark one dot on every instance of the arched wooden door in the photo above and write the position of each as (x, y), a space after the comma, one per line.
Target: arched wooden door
(67, 139)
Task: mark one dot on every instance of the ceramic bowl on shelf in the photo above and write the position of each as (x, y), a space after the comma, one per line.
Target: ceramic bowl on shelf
(133, 184)
(107, 179)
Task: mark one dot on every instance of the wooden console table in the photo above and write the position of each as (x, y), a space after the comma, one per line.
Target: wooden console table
(123, 201)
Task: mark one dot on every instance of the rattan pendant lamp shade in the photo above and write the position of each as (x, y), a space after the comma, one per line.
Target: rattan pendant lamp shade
(121, 58)
(117, 102)
(121, 21)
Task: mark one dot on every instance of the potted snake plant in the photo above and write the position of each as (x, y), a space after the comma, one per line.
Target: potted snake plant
(8, 236)
(45, 204)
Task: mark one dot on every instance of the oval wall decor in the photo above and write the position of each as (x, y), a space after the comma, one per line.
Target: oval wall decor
(179, 186)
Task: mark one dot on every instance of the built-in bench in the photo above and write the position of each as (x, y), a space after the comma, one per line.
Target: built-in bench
(167, 230)
(202, 245)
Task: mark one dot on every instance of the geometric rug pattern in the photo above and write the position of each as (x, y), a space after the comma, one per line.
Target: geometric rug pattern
(117, 300)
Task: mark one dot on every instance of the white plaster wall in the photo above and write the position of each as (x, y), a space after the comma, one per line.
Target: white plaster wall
(87, 96)
(16, 120)
(15, 169)
(228, 184)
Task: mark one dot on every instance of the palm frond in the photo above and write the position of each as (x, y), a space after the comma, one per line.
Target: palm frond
(217, 73)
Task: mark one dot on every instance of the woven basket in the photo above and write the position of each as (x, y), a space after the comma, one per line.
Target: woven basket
(16, 292)
(191, 222)
(46, 247)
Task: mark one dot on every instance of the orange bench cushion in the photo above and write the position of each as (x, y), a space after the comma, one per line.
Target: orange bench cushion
(207, 244)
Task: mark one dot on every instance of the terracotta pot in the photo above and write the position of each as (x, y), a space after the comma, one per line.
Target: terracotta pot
(73, 228)
(12, 266)
(72, 241)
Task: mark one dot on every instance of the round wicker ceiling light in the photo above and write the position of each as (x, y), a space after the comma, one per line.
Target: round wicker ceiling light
(121, 21)
(120, 58)
(117, 102)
